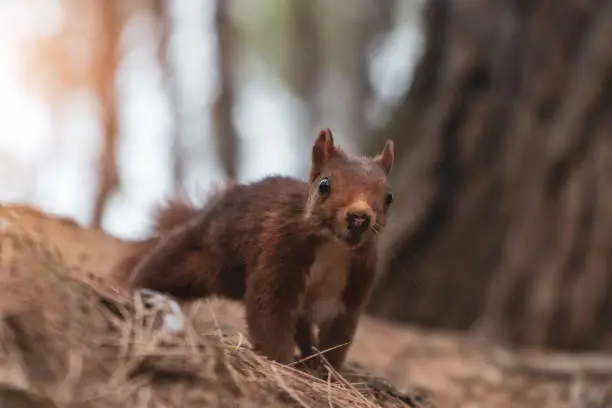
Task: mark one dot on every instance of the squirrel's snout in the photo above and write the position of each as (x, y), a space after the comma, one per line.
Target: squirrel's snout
(358, 222)
(358, 218)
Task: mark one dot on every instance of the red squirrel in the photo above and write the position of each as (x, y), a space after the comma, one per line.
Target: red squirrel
(296, 253)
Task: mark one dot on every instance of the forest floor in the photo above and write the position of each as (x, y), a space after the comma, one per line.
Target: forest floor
(71, 335)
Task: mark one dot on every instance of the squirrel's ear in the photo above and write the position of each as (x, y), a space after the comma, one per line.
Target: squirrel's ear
(386, 157)
(323, 150)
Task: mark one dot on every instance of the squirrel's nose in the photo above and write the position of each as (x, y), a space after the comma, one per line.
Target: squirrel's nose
(358, 222)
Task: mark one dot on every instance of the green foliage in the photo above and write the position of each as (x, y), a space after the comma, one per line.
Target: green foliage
(266, 28)
(263, 29)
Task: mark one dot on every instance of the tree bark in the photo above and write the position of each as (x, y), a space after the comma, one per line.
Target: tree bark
(501, 219)
(107, 96)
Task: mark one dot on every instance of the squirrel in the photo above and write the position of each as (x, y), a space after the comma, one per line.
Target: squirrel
(296, 253)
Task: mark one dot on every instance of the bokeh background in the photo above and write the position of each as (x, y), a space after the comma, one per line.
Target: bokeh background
(189, 92)
(500, 111)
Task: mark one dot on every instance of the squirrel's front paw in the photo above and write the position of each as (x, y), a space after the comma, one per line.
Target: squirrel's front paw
(314, 365)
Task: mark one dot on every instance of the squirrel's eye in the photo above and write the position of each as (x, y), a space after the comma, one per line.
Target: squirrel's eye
(324, 186)
(389, 198)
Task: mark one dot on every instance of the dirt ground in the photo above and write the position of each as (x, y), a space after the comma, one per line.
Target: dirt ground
(453, 370)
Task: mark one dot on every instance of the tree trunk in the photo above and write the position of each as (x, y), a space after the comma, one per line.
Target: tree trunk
(161, 10)
(225, 133)
(107, 97)
(372, 20)
(501, 219)
(307, 65)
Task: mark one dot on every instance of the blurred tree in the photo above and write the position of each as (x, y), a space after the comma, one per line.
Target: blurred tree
(163, 18)
(265, 29)
(225, 133)
(504, 172)
(321, 51)
(53, 64)
(363, 27)
(306, 67)
(106, 66)
(84, 56)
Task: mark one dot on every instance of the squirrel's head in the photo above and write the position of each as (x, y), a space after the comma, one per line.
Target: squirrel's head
(349, 196)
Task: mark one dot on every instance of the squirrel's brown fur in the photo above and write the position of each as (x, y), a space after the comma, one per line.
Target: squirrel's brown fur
(288, 248)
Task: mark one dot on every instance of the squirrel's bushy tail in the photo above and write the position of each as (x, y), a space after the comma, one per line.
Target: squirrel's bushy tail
(170, 262)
